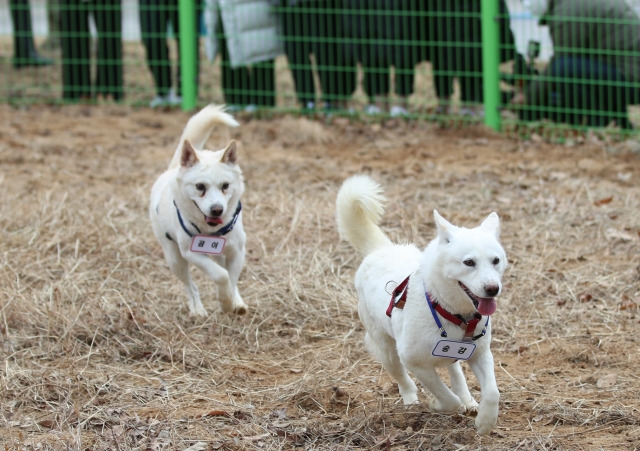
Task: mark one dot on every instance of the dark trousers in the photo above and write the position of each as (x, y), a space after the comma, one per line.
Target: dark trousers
(384, 33)
(582, 91)
(75, 40)
(317, 27)
(453, 31)
(23, 46)
(155, 17)
(242, 86)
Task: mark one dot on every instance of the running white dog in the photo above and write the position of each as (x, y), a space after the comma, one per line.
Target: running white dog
(196, 215)
(438, 313)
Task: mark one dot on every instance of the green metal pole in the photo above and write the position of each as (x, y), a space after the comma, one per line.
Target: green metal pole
(188, 53)
(491, 62)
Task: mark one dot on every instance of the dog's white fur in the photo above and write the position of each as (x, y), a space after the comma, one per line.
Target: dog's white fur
(206, 187)
(405, 341)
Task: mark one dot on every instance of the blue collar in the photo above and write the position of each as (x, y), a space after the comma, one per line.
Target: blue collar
(223, 231)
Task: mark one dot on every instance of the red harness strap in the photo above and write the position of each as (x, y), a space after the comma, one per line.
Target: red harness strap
(399, 296)
(459, 320)
(399, 299)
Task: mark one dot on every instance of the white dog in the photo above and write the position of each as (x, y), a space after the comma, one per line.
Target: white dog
(196, 215)
(438, 313)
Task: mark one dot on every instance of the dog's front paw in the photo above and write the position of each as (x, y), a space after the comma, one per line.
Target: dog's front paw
(240, 309)
(410, 398)
(236, 306)
(485, 421)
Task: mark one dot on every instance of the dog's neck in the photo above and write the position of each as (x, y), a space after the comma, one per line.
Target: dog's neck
(468, 312)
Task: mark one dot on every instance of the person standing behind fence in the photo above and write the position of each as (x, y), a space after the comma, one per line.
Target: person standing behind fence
(24, 50)
(246, 34)
(385, 33)
(316, 27)
(155, 18)
(594, 73)
(454, 33)
(75, 40)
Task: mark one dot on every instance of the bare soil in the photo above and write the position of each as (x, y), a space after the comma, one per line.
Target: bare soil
(100, 353)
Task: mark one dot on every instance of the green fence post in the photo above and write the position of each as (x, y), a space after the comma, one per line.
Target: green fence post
(188, 54)
(491, 62)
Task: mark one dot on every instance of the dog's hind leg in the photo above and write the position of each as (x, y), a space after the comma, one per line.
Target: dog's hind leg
(384, 349)
(460, 387)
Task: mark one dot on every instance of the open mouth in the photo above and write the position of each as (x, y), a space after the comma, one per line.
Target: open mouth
(212, 221)
(485, 306)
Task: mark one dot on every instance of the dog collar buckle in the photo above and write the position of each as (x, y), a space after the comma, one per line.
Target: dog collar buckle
(398, 296)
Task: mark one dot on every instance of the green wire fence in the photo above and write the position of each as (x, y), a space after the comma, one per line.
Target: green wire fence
(485, 61)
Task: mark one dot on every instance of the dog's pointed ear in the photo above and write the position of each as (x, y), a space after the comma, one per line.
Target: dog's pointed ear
(444, 227)
(230, 154)
(188, 157)
(492, 224)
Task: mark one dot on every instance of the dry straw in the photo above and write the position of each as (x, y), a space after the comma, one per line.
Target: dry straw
(100, 353)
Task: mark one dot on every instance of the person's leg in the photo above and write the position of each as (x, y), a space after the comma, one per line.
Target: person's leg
(24, 50)
(597, 99)
(375, 61)
(468, 55)
(405, 54)
(75, 42)
(262, 84)
(108, 19)
(298, 29)
(437, 26)
(234, 81)
(154, 16)
(336, 52)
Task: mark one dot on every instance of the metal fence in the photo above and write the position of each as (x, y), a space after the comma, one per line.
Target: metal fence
(491, 60)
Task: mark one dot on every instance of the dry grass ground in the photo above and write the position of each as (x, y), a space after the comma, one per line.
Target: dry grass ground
(99, 351)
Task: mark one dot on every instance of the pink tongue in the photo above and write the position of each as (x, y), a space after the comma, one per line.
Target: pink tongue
(486, 306)
(213, 221)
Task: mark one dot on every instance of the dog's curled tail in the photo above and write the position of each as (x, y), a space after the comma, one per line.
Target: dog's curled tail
(359, 209)
(199, 128)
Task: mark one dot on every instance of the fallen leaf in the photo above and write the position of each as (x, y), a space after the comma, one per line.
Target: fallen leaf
(606, 200)
(585, 297)
(46, 424)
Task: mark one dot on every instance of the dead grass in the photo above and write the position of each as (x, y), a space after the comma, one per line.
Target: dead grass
(100, 353)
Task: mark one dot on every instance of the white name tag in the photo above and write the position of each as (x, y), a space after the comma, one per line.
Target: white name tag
(459, 350)
(207, 244)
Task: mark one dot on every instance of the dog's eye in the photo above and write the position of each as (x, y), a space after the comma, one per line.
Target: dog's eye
(496, 261)
(201, 187)
(224, 187)
(470, 262)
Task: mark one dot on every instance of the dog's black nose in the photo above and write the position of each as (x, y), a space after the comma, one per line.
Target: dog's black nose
(216, 211)
(491, 290)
